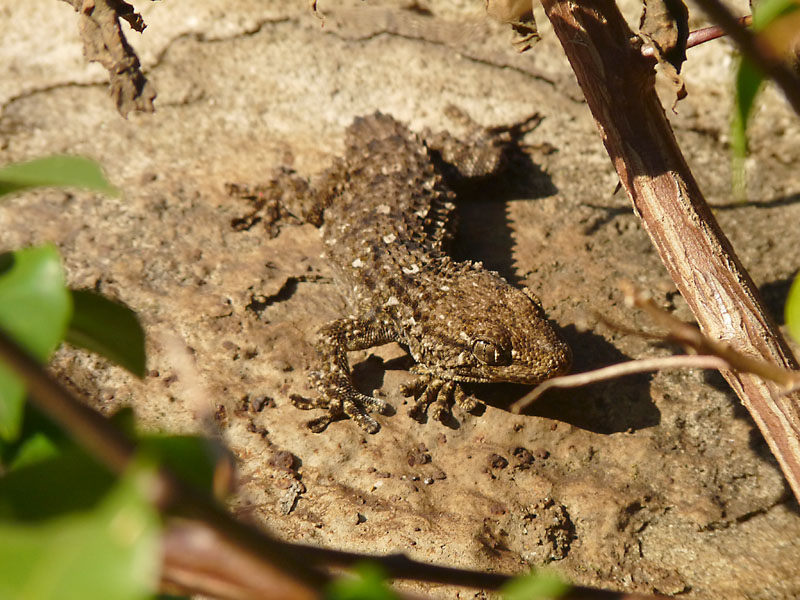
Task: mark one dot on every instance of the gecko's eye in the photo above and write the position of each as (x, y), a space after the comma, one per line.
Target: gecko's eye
(491, 353)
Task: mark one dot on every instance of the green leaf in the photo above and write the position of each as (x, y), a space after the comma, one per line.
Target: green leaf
(749, 81)
(792, 310)
(35, 307)
(54, 171)
(39, 439)
(12, 397)
(36, 448)
(27, 491)
(124, 420)
(535, 586)
(368, 584)
(767, 11)
(111, 552)
(197, 460)
(68, 482)
(108, 328)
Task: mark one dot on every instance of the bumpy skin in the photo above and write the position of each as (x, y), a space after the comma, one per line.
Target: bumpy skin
(387, 225)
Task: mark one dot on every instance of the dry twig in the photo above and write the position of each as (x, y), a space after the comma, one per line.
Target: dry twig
(690, 336)
(104, 42)
(631, 367)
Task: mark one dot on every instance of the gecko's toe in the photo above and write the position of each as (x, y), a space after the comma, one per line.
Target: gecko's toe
(371, 404)
(304, 403)
(361, 418)
(442, 395)
(435, 398)
(468, 402)
(320, 424)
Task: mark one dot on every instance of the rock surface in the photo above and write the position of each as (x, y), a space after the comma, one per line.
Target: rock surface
(650, 483)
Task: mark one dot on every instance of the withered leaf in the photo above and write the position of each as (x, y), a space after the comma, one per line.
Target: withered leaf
(665, 26)
(518, 14)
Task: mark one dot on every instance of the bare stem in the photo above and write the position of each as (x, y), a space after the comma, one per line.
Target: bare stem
(710, 354)
(630, 367)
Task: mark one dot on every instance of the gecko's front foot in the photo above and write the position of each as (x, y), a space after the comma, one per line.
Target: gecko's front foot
(436, 396)
(340, 399)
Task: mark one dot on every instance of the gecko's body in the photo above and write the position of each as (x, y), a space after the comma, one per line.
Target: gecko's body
(386, 231)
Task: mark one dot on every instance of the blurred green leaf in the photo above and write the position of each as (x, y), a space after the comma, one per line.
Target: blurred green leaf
(26, 492)
(749, 81)
(40, 439)
(35, 304)
(110, 552)
(195, 459)
(35, 307)
(109, 329)
(71, 171)
(34, 449)
(67, 482)
(125, 421)
(535, 586)
(368, 584)
(767, 11)
(792, 310)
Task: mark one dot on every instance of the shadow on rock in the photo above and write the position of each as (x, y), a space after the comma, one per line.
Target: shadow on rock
(613, 406)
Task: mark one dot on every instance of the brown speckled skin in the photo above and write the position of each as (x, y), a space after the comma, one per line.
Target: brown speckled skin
(386, 230)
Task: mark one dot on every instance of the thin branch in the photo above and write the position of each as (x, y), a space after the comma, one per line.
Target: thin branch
(690, 336)
(759, 53)
(197, 560)
(631, 367)
(709, 354)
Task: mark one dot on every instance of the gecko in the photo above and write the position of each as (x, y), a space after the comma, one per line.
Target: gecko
(386, 215)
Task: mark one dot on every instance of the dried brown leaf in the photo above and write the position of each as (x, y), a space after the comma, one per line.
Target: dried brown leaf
(104, 42)
(665, 27)
(518, 14)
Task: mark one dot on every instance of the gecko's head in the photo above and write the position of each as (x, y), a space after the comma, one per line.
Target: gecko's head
(500, 334)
